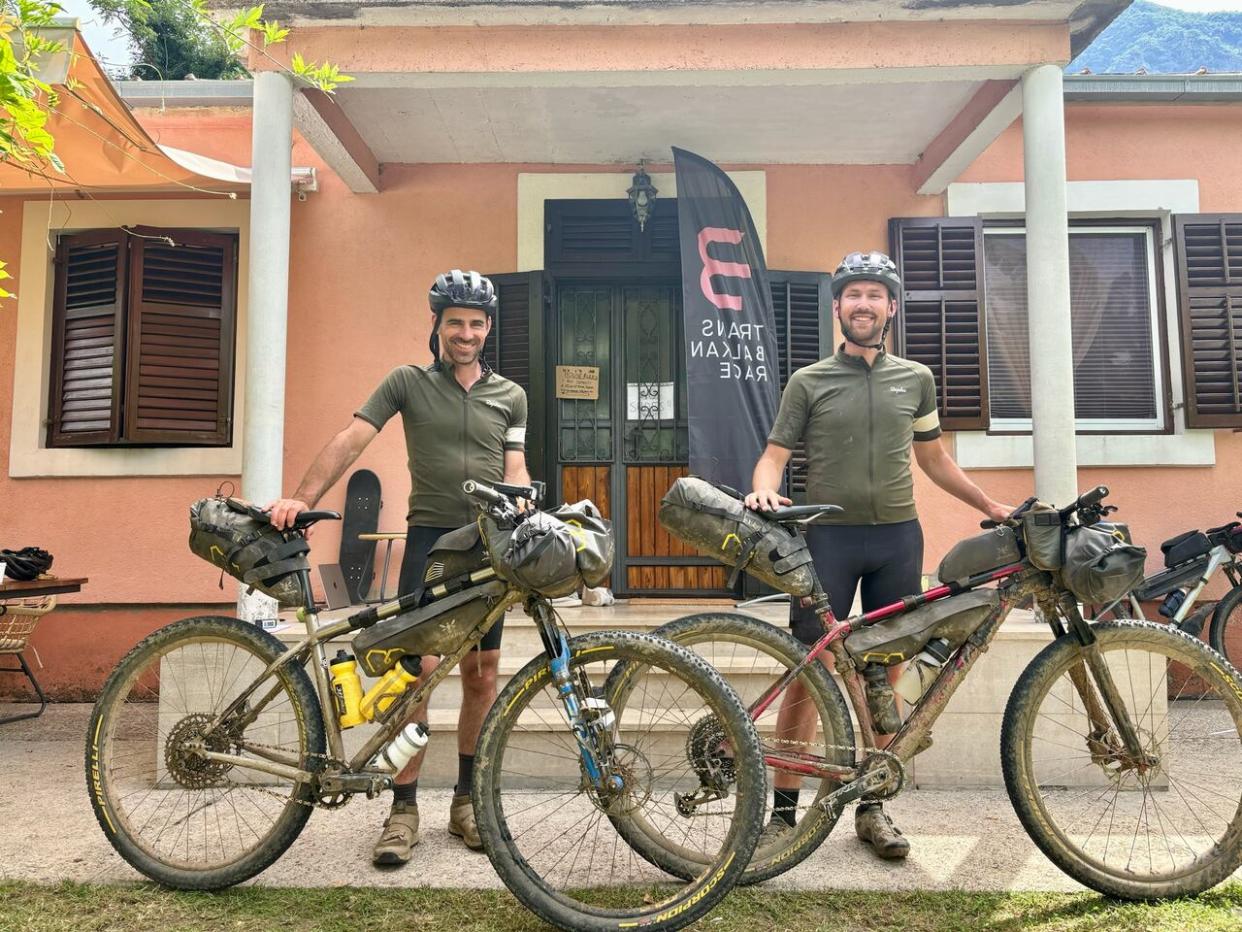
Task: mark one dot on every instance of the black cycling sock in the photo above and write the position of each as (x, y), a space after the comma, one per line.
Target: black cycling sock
(405, 793)
(785, 806)
(465, 774)
(865, 807)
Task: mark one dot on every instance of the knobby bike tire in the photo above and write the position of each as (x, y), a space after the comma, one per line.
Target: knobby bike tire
(129, 716)
(782, 652)
(1204, 781)
(1225, 630)
(501, 800)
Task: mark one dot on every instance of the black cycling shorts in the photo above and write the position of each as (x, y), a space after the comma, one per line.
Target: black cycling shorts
(418, 543)
(886, 558)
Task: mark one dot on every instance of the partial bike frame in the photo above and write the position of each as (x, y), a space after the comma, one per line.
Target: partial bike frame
(875, 774)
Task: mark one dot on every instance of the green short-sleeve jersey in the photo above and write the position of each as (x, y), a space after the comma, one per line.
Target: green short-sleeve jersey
(450, 434)
(858, 422)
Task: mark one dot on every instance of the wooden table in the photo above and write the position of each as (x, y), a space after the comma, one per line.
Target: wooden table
(18, 589)
(11, 589)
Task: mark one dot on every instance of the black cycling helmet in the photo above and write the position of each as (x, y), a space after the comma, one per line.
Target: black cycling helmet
(867, 266)
(460, 289)
(463, 289)
(870, 267)
(25, 564)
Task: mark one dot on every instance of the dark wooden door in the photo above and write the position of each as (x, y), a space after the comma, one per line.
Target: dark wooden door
(626, 447)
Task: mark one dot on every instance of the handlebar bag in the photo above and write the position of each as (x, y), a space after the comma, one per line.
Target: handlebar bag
(593, 542)
(539, 554)
(1042, 532)
(1100, 563)
(991, 550)
(224, 534)
(720, 526)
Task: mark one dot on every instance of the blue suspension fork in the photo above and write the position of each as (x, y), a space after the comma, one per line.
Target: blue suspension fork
(556, 646)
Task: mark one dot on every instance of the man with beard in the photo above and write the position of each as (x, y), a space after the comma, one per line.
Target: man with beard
(462, 421)
(860, 412)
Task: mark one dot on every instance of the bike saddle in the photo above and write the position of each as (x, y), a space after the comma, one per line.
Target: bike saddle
(795, 513)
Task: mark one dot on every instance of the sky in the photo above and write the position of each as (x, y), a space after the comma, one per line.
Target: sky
(113, 50)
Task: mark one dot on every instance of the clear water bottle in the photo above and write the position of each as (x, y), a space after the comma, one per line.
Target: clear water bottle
(409, 741)
(922, 670)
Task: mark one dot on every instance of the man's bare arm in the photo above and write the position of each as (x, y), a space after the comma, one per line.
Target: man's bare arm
(766, 480)
(326, 469)
(943, 470)
(515, 468)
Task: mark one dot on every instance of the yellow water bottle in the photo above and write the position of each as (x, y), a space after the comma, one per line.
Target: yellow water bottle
(347, 689)
(389, 688)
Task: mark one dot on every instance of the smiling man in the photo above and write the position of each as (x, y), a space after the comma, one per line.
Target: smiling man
(860, 412)
(462, 421)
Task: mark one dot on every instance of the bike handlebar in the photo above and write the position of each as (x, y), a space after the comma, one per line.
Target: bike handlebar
(1089, 499)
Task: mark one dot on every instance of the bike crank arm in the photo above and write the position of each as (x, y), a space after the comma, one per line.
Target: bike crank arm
(687, 803)
(872, 782)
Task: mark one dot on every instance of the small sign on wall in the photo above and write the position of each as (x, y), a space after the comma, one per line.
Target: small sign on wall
(577, 382)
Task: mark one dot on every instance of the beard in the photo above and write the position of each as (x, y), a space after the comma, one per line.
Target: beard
(460, 355)
(863, 333)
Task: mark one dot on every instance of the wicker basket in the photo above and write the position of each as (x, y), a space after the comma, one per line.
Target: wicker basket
(18, 618)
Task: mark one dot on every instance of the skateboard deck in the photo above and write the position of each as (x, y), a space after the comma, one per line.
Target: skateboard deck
(362, 508)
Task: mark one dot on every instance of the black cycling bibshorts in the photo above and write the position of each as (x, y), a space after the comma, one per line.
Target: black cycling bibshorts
(886, 558)
(418, 543)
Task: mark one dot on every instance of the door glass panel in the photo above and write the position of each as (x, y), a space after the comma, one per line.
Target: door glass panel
(585, 426)
(656, 427)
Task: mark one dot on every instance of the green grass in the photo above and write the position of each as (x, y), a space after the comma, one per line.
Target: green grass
(87, 908)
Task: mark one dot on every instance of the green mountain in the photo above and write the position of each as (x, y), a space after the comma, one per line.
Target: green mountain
(1164, 41)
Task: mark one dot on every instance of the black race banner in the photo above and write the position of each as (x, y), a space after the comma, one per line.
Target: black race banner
(731, 361)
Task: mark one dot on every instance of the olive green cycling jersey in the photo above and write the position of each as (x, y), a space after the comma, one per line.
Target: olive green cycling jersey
(450, 434)
(858, 422)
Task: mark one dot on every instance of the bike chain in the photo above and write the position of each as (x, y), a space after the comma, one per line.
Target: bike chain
(339, 800)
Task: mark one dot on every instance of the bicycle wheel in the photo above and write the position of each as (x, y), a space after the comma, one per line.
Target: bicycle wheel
(1225, 631)
(1168, 828)
(551, 835)
(181, 820)
(752, 655)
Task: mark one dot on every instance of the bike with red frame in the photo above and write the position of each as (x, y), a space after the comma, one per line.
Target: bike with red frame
(1121, 744)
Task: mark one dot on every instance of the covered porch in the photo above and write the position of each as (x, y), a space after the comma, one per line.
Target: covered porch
(577, 98)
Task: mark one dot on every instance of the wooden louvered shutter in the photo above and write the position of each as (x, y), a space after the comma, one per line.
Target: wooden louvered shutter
(179, 374)
(1209, 275)
(88, 336)
(512, 345)
(941, 319)
(801, 301)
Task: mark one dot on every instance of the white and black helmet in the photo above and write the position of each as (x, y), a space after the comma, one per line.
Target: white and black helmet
(463, 289)
(867, 266)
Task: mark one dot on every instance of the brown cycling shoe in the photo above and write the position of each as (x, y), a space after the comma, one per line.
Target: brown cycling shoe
(776, 832)
(875, 828)
(461, 822)
(399, 836)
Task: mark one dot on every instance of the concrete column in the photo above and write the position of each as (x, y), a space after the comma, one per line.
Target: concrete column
(263, 430)
(1048, 285)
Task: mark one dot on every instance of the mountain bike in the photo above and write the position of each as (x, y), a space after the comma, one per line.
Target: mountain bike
(211, 744)
(1192, 560)
(1128, 782)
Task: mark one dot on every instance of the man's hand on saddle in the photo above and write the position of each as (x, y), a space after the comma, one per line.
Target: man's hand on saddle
(766, 500)
(283, 511)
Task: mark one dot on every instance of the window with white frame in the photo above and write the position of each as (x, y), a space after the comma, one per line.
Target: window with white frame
(1118, 372)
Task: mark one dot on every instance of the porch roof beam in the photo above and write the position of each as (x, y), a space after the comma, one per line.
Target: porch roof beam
(988, 114)
(324, 125)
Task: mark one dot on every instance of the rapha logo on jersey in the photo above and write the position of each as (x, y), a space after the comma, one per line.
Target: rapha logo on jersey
(897, 390)
(718, 267)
